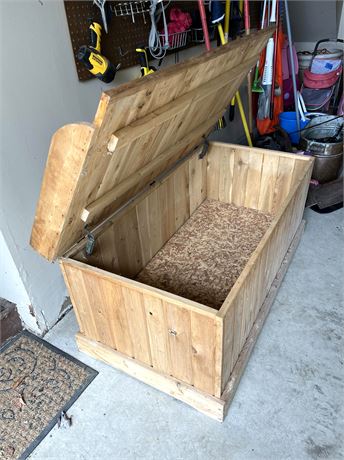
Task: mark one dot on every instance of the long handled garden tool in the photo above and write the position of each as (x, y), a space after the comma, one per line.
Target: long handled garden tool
(249, 75)
(257, 86)
(274, 18)
(265, 98)
(227, 16)
(286, 10)
(217, 16)
(221, 123)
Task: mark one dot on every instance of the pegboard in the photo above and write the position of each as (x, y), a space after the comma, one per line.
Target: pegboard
(118, 45)
(123, 36)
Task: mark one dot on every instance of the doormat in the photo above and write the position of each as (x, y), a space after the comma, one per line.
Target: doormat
(38, 383)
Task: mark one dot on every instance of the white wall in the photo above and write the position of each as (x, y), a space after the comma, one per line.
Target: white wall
(39, 93)
(313, 20)
(12, 287)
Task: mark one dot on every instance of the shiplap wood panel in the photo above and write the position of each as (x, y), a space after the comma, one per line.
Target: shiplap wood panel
(173, 338)
(250, 177)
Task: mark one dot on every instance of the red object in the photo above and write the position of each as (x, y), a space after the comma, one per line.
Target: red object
(321, 81)
(179, 22)
(247, 16)
(204, 24)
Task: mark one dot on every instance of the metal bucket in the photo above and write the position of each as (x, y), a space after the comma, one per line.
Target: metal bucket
(327, 167)
(312, 138)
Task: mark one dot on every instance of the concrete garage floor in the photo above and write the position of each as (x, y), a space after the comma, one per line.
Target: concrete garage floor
(289, 404)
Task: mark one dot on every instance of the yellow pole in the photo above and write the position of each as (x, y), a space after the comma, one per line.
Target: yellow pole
(237, 95)
(227, 16)
(241, 5)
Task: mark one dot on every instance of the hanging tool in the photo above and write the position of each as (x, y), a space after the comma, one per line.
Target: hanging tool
(265, 103)
(264, 98)
(290, 41)
(204, 24)
(91, 57)
(274, 18)
(217, 16)
(145, 68)
(249, 75)
(257, 86)
(231, 111)
(227, 16)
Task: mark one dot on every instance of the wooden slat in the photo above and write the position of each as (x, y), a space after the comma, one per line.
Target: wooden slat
(81, 169)
(178, 322)
(137, 325)
(267, 183)
(251, 177)
(241, 166)
(197, 182)
(157, 332)
(67, 154)
(203, 345)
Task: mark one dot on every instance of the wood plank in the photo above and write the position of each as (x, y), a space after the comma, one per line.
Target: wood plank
(203, 349)
(182, 206)
(283, 181)
(197, 182)
(157, 331)
(267, 183)
(219, 147)
(241, 167)
(204, 403)
(233, 382)
(144, 288)
(127, 243)
(254, 175)
(137, 325)
(67, 153)
(178, 323)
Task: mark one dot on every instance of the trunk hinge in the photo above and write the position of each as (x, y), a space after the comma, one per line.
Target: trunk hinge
(205, 147)
(90, 243)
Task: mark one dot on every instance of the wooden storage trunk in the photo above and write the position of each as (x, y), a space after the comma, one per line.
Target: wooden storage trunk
(140, 195)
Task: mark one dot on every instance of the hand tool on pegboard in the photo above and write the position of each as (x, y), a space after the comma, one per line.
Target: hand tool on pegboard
(91, 57)
(146, 69)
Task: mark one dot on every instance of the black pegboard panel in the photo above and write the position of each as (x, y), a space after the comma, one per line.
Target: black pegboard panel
(118, 45)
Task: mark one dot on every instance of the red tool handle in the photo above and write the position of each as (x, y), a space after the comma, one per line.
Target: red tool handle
(204, 24)
(272, 102)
